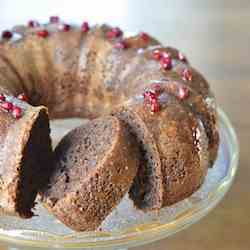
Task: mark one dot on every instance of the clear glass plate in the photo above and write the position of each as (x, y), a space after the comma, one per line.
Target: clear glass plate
(126, 226)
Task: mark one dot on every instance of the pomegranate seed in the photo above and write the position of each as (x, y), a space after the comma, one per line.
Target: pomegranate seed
(17, 112)
(7, 106)
(151, 99)
(183, 93)
(65, 27)
(155, 107)
(33, 24)
(187, 75)
(117, 31)
(22, 97)
(166, 63)
(43, 33)
(121, 45)
(157, 54)
(54, 19)
(110, 34)
(7, 34)
(166, 55)
(144, 36)
(85, 27)
(2, 98)
(114, 33)
(182, 57)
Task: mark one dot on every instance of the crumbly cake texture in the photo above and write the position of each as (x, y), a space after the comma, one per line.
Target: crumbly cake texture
(95, 165)
(93, 71)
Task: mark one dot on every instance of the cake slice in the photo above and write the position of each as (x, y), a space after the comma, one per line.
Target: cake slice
(173, 146)
(147, 189)
(95, 165)
(25, 155)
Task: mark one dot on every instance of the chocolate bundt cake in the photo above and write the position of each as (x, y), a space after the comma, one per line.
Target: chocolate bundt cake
(94, 71)
(93, 171)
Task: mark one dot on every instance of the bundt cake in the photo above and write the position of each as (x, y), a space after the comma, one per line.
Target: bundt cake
(94, 71)
(93, 171)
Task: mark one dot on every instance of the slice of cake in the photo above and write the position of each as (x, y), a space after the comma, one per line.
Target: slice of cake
(95, 165)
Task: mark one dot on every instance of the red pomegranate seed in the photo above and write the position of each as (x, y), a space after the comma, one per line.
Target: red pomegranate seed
(183, 92)
(85, 27)
(2, 98)
(187, 75)
(114, 33)
(110, 35)
(22, 97)
(17, 112)
(65, 27)
(166, 55)
(6, 34)
(54, 19)
(155, 107)
(151, 98)
(166, 63)
(121, 45)
(43, 33)
(7, 106)
(144, 36)
(33, 24)
(157, 54)
(182, 57)
(117, 32)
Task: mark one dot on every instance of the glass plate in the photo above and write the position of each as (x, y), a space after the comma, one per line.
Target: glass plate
(126, 226)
